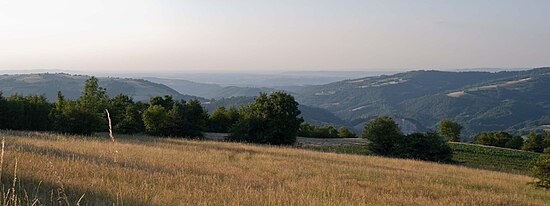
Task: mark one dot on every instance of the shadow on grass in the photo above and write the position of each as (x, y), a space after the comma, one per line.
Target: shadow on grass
(30, 191)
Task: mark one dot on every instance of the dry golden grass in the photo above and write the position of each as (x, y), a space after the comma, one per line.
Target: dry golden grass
(58, 169)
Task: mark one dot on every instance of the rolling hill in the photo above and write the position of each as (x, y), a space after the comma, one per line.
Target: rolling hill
(209, 91)
(478, 100)
(141, 90)
(71, 86)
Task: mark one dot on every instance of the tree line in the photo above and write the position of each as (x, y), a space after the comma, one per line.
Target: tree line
(270, 119)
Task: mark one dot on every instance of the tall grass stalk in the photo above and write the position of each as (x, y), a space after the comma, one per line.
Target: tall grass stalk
(2, 157)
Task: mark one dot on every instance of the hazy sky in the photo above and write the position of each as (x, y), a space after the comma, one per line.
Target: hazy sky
(260, 35)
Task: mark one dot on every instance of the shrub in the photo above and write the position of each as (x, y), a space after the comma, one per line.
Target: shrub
(430, 146)
(534, 142)
(541, 170)
(269, 119)
(316, 131)
(384, 136)
(516, 142)
(222, 119)
(450, 130)
(499, 139)
(346, 133)
(155, 120)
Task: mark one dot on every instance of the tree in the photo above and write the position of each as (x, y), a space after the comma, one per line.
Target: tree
(384, 135)
(131, 122)
(155, 120)
(175, 120)
(3, 112)
(516, 142)
(73, 119)
(56, 114)
(450, 130)
(540, 169)
(269, 119)
(430, 146)
(94, 100)
(494, 138)
(345, 133)
(534, 142)
(195, 119)
(222, 119)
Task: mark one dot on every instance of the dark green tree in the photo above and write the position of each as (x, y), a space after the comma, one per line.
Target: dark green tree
(494, 138)
(94, 100)
(540, 169)
(176, 122)
(195, 119)
(450, 130)
(430, 146)
(516, 142)
(534, 142)
(131, 122)
(269, 119)
(384, 136)
(222, 119)
(3, 112)
(155, 119)
(346, 133)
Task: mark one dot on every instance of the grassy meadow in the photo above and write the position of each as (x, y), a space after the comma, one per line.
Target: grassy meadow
(139, 170)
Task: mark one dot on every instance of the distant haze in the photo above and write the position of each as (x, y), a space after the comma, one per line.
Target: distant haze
(283, 35)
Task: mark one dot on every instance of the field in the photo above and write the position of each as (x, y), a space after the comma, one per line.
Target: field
(493, 158)
(53, 169)
(469, 155)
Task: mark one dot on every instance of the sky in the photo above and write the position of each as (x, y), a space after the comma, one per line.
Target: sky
(275, 35)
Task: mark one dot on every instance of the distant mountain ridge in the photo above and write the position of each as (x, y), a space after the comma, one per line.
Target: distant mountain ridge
(48, 84)
(208, 90)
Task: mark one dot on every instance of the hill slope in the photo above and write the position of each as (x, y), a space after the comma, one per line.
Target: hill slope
(149, 171)
(209, 91)
(478, 100)
(71, 86)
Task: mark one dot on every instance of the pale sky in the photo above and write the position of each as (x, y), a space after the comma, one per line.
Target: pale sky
(285, 35)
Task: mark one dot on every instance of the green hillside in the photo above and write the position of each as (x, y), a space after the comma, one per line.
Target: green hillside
(478, 100)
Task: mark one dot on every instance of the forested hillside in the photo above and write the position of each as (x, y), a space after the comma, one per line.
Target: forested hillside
(478, 100)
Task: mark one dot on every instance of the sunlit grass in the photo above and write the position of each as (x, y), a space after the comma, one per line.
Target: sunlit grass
(56, 169)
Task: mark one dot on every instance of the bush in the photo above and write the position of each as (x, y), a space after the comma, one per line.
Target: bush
(429, 146)
(386, 139)
(534, 142)
(450, 130)
(155, 120)
(269, 119)
(315, 131)
(515, 143)
(541, 170)
(346, 133)
(222, 119)
(499, 139)
(384, 136)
